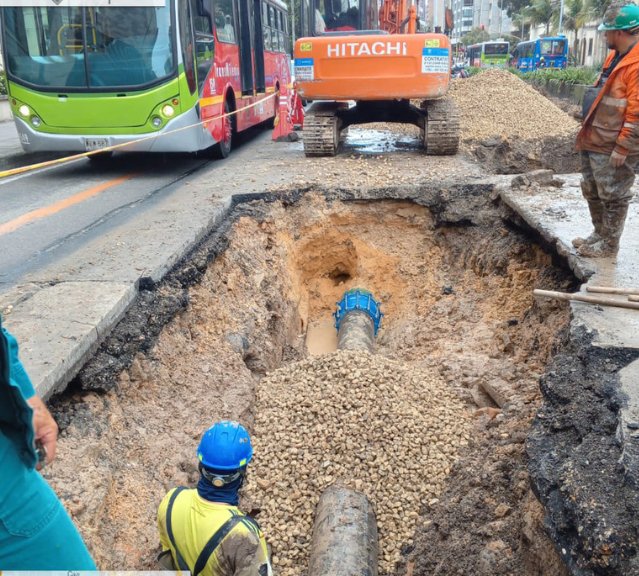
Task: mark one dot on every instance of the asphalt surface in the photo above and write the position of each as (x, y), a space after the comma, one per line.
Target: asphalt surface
(49, 213)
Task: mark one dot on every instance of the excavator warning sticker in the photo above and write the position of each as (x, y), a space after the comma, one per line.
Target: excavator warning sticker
(304, 69)
(432, 43)
(435, 61)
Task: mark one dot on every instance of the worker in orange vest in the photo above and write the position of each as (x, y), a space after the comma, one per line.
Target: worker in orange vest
(609, 137)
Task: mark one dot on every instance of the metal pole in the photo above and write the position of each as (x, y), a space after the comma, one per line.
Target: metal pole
(561, 15)
(293, 21)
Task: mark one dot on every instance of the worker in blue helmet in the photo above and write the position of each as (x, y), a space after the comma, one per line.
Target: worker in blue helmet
(202, 530)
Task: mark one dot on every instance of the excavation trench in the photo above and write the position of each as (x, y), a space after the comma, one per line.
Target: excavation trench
(243, 330)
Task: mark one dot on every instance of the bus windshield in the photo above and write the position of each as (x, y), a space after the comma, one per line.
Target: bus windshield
(496, 48)
(99, 47)
(553, 47)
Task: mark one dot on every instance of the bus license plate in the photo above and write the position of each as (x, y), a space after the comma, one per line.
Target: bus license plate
(91, 144)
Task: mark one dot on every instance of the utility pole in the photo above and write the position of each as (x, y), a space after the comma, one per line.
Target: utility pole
(293, 21)
(561, 15)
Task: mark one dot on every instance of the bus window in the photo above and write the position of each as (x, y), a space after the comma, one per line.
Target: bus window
(272, 22)
(558, 47)
(204, 40)
(265, 27)
(280, 33)
(225, 22)
(493, 49)
(186, 40)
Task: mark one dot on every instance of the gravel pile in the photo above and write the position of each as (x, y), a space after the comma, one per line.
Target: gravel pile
(366, 422)
(498, 103)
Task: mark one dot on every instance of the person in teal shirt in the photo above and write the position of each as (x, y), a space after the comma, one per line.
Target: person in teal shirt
(36, 532)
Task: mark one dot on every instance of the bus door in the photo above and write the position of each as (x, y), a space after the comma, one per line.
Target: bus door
(246, 46)
(258, 34)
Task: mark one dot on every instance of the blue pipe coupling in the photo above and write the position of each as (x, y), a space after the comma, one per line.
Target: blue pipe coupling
(358, 299)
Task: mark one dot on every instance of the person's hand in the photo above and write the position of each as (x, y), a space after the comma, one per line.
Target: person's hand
(45, 428)
(616, 159)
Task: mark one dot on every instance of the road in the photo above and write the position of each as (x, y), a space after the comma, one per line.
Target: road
(50, 213)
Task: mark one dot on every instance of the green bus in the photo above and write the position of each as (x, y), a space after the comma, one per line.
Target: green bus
(158, 79)
(488, 54)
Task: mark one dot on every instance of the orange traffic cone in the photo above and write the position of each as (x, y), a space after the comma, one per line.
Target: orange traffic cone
(298, 110)
(283, 130)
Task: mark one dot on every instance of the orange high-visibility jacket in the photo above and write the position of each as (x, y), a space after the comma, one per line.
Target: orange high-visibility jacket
(613, 120)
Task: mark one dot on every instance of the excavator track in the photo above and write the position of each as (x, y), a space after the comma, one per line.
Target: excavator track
(441, 137)
(321, 133)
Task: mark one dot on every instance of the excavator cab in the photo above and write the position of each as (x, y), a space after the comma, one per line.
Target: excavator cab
(325, 16)
(350, 51)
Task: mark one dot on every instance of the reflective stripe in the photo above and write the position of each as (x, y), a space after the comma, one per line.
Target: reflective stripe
(619, 102)
(630, 125)
(209, 101)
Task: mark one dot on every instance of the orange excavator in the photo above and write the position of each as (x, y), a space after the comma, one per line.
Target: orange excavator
(351, 51)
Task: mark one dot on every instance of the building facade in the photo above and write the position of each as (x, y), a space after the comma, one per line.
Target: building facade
(486, 14)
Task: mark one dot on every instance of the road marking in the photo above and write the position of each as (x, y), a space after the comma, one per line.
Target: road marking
(46, 211)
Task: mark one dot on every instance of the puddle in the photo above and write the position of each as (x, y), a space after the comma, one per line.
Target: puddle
(371, 141)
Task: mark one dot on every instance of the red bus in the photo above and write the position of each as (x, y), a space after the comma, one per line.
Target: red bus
(86, 78)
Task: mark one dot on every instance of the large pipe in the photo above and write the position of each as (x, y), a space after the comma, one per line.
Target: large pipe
(344, 535)
(357, 320)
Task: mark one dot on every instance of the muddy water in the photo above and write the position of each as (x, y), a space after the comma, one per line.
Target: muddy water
(321, 337)
(458, 302)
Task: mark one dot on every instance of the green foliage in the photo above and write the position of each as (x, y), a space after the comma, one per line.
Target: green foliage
(475, 36)
(567, 75)
(472, 70)
(3, 82)
(515, 6)
(542, 12)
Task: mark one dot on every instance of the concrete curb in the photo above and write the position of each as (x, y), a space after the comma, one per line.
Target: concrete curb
(72, 319)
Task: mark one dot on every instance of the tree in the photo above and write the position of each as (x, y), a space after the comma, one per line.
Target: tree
(576, 14)
(542, 12)
(521, 20)
(514, 6)
(475, 36)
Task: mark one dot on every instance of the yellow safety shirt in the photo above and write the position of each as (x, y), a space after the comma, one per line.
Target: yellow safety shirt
(194, 521)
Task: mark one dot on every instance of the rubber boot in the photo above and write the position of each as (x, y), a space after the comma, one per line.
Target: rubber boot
(614, 219)
(597, 216)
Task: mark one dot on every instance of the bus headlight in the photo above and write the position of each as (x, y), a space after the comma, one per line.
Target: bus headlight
(156, 121)
(168, 110)
(36, 121)
(24, 111)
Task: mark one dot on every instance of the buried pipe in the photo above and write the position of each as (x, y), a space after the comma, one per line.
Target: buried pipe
(344, 539)
(357, 320)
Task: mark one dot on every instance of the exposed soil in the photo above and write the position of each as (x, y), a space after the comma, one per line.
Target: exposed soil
(575, 460)
(456, 283)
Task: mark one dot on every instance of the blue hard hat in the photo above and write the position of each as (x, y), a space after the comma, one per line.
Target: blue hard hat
(225, 446)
